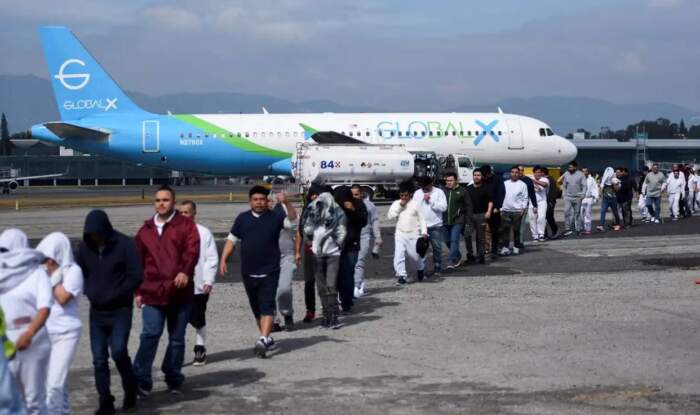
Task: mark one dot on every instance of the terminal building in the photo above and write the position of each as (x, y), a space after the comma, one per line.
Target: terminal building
(597, 154)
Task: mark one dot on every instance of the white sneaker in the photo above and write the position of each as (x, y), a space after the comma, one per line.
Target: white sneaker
(516, 250)
(505, 251)
(356, 293)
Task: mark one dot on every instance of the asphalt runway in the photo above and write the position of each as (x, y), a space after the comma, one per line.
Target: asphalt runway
(602, 324)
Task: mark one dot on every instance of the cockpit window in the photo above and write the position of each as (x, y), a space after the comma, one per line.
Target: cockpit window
(542, 133)
(549, 132)
(466, 162)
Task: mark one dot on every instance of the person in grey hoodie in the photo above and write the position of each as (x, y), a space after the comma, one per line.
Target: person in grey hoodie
(573, 190)
(324, 225)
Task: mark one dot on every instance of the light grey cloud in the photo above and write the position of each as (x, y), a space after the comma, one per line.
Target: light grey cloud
(384, 54)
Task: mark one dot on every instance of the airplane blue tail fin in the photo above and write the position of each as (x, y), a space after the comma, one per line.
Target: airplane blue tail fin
(80, 85)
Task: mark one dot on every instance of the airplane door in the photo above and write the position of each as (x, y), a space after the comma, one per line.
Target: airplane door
(151, 136)
(515, 136)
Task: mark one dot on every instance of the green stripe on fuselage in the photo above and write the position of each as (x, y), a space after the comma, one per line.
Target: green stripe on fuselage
(231, 138)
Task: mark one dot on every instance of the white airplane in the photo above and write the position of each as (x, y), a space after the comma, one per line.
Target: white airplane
(98, 118)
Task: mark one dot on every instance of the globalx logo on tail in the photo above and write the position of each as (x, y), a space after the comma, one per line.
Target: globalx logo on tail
(83, 78)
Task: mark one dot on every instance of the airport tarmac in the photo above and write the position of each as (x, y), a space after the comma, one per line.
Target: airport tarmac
(602, 324)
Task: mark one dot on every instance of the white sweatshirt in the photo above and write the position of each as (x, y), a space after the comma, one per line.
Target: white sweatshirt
(516, 196)
(592, 191)
(410, 223)
(206, 268)
(675, 184)
(432, 210)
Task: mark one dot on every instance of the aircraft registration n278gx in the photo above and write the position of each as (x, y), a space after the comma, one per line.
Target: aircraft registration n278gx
(98, 118)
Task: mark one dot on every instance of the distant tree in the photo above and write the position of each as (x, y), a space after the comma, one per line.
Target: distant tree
(694, 131)
(682, 129)
(5, 144)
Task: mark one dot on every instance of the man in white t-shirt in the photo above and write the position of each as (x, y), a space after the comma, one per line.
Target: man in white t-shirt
(25, 297)
(204, 277)
(514, 207)
(64, 324)
(538, 216)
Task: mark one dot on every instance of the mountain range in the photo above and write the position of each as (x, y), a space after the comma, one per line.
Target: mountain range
(27, 100)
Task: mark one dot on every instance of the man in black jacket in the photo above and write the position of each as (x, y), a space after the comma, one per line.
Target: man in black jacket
(112, 273)
(625, 195)
(497, 191)
(356, 215)
(552, 196)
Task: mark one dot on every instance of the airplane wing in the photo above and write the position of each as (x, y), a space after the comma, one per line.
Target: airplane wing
(331, 137)
(40, 176)
(66, 130)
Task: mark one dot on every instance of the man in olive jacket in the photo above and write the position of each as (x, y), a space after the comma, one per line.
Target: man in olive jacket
(459, 212)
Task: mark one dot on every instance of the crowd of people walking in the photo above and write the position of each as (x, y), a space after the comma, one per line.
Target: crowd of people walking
(168, 270)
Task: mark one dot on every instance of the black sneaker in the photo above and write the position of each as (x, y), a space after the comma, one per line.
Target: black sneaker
(276, 328)
(401, 282)
(106, 406)
(336, 323)
(471, 259)
(200, 356)
(482, 260)
(289, 323)
(260, 349)
(420, 276)
(129, 403)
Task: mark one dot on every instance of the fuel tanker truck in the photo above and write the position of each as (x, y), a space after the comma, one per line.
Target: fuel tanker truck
(377, 168)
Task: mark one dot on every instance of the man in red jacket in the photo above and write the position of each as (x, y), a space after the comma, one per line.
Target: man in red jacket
(168, 245)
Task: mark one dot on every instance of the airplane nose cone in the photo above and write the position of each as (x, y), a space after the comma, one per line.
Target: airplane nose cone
(568, 150)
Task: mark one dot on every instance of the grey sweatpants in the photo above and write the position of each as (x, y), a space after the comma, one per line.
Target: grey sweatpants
(572, 214)
(365, 242)
(284, 287)
(327, 281)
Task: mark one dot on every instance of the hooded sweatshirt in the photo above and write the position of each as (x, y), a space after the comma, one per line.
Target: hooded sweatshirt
(112, 272)
(24, 286)
(63, 318)
(324, 224)
(355, 219)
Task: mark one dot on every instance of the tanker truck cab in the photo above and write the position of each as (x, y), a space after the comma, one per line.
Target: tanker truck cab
(461, 164)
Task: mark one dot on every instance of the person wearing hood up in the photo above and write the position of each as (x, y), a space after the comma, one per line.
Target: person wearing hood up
(324, 225)
(25, 297)
(609, 185)
(304, 256)
(590, 198)
(112, 272)
(64, 324)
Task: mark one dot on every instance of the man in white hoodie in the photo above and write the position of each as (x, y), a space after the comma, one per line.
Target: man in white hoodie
(204, 277)
(590, 198)
(64, 325)
(26, 300)
(410, 225)
(675, 189)
(514, 208)
(433, 203)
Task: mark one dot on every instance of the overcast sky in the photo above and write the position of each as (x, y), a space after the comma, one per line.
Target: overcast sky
(393, 54)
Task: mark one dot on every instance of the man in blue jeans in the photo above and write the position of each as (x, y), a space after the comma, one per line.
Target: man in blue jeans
(112, 274)
(168, 245)
(459, 212)
(432, 203)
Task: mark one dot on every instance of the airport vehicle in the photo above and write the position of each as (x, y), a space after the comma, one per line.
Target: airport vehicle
(98, 118)
(10, 178)
(377, 168)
